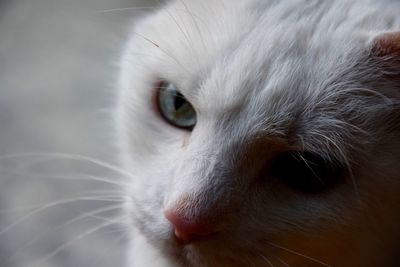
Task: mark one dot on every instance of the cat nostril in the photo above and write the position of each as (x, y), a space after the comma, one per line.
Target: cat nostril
(186, 230)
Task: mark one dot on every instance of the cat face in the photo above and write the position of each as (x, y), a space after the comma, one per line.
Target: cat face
(262, 133)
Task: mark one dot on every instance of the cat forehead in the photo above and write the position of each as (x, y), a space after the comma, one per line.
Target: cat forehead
(225, 51)
(273, 53)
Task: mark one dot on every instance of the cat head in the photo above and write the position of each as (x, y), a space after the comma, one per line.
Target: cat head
(259, 133)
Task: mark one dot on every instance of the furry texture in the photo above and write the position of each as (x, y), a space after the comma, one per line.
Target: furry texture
(264, 77)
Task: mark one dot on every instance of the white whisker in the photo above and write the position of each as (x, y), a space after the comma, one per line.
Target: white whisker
(70, 242)
(125, 9)
(185, 33)
(76, 219)
(54, 204)
(298, 254)
(73, 157)
(87, 195)
(267, 260)
(72, 177)
(283, 262)
(161, 49)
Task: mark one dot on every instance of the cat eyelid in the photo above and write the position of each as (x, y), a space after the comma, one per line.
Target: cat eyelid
(157, 86)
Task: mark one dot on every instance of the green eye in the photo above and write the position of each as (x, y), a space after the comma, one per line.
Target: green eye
(174, 107)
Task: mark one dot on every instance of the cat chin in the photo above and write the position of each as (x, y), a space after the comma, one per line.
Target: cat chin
(157, 247)
(153, 249)
(201, 254)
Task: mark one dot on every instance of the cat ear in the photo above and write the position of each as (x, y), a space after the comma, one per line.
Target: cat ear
(385, 54)
(387, 45)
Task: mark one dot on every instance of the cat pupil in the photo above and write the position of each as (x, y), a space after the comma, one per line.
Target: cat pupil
(179, 101)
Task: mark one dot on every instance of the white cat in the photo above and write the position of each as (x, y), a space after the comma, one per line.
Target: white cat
(263, 133)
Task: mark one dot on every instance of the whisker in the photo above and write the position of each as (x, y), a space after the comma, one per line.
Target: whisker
(78, 218)
(266, 259)
(283, 262)
(161, 49)
(184, 32)
(122, 9)
(104, 192)
(195, 24)
(70, 242)
(345, 159)
(102, 218)
(125, 9)
(88, 195)
(73, 157)
(74, 177)
(51, 205)
(298, 254)
(309, 167)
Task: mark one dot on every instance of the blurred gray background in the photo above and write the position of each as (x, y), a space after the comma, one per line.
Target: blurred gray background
(57, 74)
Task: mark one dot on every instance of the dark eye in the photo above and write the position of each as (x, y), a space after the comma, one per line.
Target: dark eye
(306, 172)
(174, 107)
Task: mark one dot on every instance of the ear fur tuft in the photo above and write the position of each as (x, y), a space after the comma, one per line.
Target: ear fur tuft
(387, 44)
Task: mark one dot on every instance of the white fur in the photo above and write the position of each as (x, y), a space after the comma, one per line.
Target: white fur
(295, 72)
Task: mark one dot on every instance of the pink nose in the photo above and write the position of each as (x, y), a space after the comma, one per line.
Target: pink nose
(186, 230)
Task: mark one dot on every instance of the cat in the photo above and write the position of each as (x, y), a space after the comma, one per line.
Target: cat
(263, 133)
